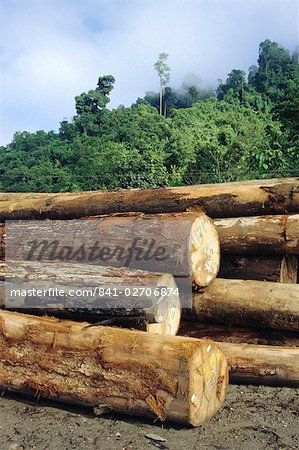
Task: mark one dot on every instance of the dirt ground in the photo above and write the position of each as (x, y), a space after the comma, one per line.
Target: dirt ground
(253, 418)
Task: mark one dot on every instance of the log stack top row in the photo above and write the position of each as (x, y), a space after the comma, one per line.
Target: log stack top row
(245, 198)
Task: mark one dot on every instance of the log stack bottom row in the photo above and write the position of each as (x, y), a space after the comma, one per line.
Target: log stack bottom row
(245, 322)
(176, 378)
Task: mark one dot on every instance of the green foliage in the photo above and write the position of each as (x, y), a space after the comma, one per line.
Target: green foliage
(235, 85)
(250, 130)
(287, 111)
(276, 68)
(31, 163)
(97, 99)
(184, 97)
(213, 140)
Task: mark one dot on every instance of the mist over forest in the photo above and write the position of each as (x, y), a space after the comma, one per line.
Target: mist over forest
(245, 128)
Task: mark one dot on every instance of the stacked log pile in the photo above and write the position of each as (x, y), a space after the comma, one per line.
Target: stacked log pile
(251, 310)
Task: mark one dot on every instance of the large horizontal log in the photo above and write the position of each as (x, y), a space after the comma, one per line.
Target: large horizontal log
(91, 290)
(244, 198)
(254, 356)
(183, 244)
(170, 378)
(277, 268)
(258, 235)
(249, 303)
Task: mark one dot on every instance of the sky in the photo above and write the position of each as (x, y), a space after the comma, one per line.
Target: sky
(53, 50)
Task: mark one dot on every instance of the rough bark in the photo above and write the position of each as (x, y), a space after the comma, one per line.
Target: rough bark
(259, 235)
(276, 268)
(100, 291)
(233, 335)
(249, 303)
(246, 198)
(183, 244)
(173, 378)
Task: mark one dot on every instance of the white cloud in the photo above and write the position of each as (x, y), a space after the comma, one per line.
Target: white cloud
(52, 50)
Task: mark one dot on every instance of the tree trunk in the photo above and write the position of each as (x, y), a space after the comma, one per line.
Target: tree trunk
(173, 378)
(246, 198)
(259, 235)
(262, 364)
(98, 291)
(189, 242)
(250, 303)
(276, 268)
(233, 335)
(161, 98)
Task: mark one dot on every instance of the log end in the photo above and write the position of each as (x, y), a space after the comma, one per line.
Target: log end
(208, 382)
(205, 253)
(167, 314)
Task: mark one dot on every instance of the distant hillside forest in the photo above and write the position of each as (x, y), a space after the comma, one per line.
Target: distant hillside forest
(247, 128)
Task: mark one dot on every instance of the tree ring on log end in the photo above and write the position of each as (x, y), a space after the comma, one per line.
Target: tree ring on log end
(167, 308)
(205, 251)
(208, 382)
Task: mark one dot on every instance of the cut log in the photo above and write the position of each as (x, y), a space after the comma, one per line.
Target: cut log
(262, 364)
(233, 335)
(100, 291)
(250, 303)
(271, 369)
(259, 235)
(183, 244)
(254, 356)
(170, 378)
(245, 198)
(276, 268)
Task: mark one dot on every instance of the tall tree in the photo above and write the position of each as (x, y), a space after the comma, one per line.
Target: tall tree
(164, 74)
(275, 70)
(90, 105)
(95, 99)
(235, 85)
(287, 111)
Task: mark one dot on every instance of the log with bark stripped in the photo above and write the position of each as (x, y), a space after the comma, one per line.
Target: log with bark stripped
(277, 196)
(183, 244)
(170, 378)
(102, 292)
(249, 303)
(259, 235)
(277, 268)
